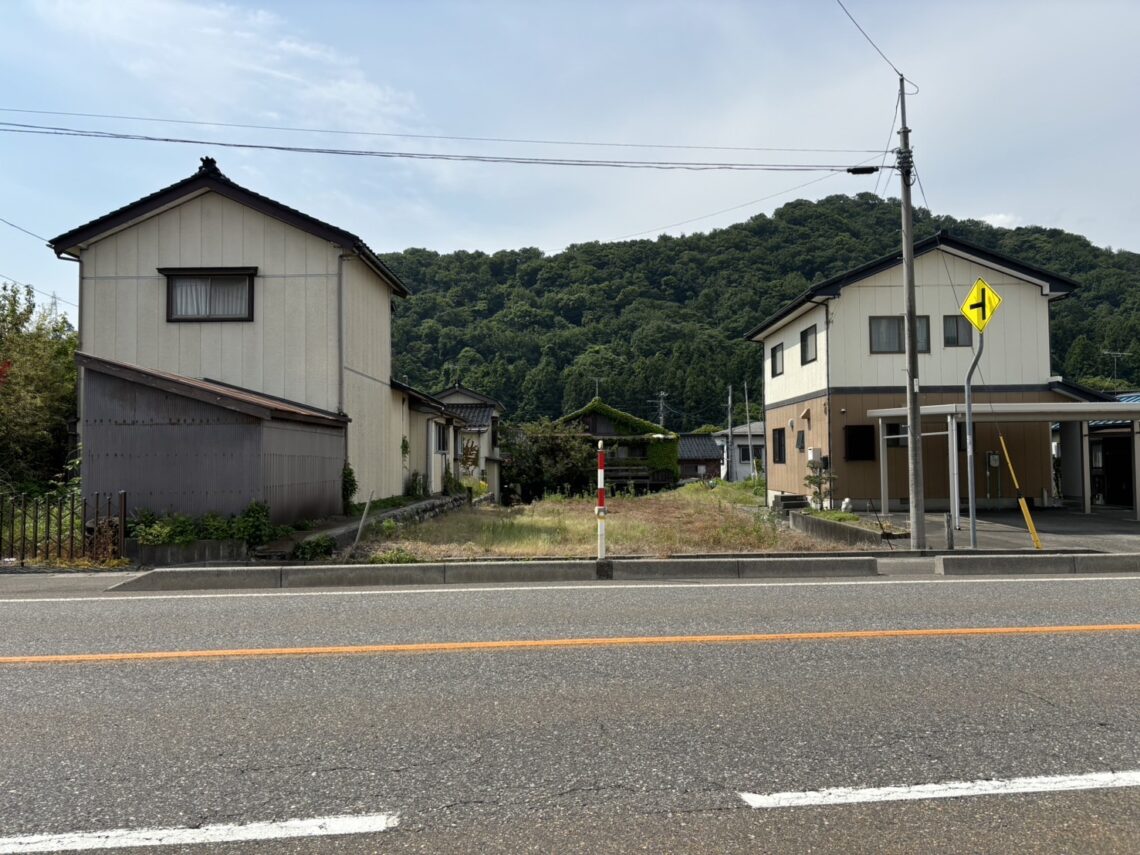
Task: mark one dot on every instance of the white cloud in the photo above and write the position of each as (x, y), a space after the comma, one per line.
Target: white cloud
(1003, 221)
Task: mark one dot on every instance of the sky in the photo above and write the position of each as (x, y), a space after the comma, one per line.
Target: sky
(1021, 113)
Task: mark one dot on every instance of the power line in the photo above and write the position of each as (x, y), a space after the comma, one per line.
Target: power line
(695, 166)
(22, 229)
(288, 129)
(37, 290)
(886, 151)
(870, 40)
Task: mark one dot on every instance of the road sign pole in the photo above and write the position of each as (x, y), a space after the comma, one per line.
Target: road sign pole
(971, 489)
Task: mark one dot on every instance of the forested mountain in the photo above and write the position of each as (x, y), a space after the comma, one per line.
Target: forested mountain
(536, 331)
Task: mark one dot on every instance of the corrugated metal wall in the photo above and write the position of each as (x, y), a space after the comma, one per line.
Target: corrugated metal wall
(301, 467)
(175, 454)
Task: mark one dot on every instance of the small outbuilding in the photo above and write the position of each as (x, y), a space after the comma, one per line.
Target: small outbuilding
(181, 445)
(699, 456)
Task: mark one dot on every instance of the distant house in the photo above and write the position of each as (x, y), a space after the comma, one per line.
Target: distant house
(743, 455)
(835, 354)
(431, 444)
(699, 456)
(211, 282)
(479, 437)
(639, 454)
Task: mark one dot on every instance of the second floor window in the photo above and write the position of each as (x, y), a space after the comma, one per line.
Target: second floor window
(956, 331)
(887, 334)
(209, 294)
(777, 360)
(807, 345)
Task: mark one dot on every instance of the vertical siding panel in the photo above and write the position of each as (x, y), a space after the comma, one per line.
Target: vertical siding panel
(316, 339)
(190, 349)
(211, 357)
(294, 348)
(272, 323)
(147, 303)
(126, 319)
(190, 228)
(169, 238)
(213, 228)
(233, 232)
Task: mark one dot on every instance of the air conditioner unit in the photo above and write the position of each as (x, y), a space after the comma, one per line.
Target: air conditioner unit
(815, 455)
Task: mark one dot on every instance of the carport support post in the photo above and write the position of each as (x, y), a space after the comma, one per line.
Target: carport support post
(1086, 473)
(1136, 469)
(952, 446)
(884, 507)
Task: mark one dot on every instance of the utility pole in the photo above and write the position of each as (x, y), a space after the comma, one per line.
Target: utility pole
(748, 432)
(910, 334)
(728, 439)
(1115, 354)
(661, 408)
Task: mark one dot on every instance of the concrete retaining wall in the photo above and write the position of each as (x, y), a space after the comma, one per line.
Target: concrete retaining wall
(170, 554)
(837, 532)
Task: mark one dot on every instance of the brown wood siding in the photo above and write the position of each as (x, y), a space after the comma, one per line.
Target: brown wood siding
(789, 477)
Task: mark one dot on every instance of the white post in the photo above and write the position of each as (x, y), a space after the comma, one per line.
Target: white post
(952, 444)
(1086, 472)
(883, 508)
(600, 509)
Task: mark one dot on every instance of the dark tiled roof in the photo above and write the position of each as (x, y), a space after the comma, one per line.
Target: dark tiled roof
(476, 415)
(212, 392)
(1062, 285)
(698, 446)
(209, 177)
(459, 389)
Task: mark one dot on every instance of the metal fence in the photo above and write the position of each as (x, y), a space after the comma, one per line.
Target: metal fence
(66, 527)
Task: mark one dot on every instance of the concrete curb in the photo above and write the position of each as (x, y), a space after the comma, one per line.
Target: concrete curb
(742, 568)
(1005, 565)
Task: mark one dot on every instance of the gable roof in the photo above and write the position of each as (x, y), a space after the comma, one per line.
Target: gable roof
(698, 446)
(477, 416)
(210, 178)
(458, 389)
(213, 392)
(425, 402)
(614, 414)
(1055, 286)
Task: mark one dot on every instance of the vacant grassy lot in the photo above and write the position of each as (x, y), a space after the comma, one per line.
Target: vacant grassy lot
(692, 519)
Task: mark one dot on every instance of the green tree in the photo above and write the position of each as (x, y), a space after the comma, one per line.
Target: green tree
(543, 456)
(37, 390)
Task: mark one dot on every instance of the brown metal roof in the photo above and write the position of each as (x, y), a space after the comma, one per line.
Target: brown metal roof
(213, 392)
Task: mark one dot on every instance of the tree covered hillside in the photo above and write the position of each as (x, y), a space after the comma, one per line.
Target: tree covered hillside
(535, 331)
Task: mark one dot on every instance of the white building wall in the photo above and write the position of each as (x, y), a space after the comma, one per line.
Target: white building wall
(797, 379)
(1017, 339)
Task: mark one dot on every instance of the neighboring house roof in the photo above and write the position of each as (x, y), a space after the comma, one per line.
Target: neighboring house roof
(649, 429)
(1126, 398)
(757, 429)
(1057, 286)
(477, 416)
(698, 446)
(210, 178)
(427, 402)
(1078, 392)
(212, 392)
(457, 389)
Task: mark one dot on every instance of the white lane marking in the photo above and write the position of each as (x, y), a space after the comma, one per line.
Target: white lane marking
(945, 790)
(600, 586)
(121, 838)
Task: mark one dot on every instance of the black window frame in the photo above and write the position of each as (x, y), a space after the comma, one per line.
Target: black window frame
(777, 349)
(746, 456)
(779, 446)
(960, 323)
(807, 335)
(442, 438)
(174, 273)
(902, 333)
(859, 443)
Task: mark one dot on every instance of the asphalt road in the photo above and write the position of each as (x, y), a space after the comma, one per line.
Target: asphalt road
(607, 747)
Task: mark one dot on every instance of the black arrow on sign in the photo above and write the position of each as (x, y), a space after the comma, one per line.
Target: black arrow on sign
(981, 304)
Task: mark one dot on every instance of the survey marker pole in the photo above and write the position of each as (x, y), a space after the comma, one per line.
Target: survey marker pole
(600, 508)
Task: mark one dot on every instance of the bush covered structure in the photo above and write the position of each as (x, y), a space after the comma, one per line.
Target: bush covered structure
(640, 455)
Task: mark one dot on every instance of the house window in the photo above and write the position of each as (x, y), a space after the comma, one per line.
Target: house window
(777, 360)
(859, 442)
(800, 440)
(779, 448)
(897, 436)
(887, 334)
(746, 456)
(807, 345)
(440, 438)
(956, 331)
(209, 294)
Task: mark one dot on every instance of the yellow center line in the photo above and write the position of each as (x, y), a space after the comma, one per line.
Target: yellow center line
(544, 643)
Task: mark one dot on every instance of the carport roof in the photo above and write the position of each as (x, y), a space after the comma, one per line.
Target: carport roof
(1044, 411)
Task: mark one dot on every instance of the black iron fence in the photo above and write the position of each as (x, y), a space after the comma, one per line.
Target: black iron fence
(64, 527)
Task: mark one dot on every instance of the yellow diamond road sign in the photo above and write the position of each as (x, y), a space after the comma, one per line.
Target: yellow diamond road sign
(981, 304)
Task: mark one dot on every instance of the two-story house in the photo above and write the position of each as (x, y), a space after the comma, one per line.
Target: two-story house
(477, 454)
(209, 281)
(836, 352)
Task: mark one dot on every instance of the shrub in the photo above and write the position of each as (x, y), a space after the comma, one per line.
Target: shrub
(253, 525)
(321, 546)
(416, 487)
(394, 556)
(348, 487)
(213, 526)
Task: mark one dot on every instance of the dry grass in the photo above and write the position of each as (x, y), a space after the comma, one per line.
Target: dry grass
(692, 519)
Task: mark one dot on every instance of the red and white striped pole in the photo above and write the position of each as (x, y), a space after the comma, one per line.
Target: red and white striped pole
(600, 509)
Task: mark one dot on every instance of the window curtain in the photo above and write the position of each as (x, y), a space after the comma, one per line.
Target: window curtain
(191, 297)
(886, 335)
(228, 297)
